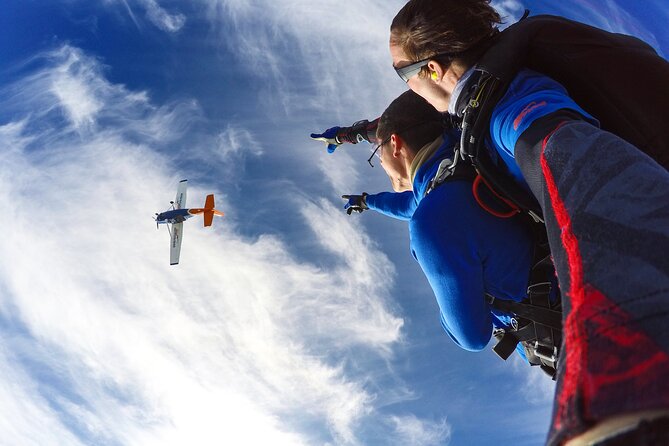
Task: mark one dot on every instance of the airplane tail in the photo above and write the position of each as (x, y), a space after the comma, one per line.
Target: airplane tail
(209, 210)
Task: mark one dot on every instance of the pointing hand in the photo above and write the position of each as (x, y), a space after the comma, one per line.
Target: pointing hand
(356, 203)
(330, 137)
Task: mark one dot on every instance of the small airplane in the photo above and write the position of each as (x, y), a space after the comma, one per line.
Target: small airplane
(174, 218)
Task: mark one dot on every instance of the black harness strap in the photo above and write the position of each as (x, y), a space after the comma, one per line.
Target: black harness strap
(475, 121)
(533, 308)
(537, 322)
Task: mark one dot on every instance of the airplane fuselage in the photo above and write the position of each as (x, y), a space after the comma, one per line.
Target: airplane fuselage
(173, 216)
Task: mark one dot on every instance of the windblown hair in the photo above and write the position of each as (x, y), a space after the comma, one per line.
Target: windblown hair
(424, 28)
(413, 118)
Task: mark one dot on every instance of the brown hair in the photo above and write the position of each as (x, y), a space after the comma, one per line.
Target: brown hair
(413, 118)
(424, 28)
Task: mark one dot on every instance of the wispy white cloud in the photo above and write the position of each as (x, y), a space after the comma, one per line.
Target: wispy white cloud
(26, 407)
(71, 87)
(340, 169)
(539, 388)
(241, 341)
(128, 10)
(226, 152)
(76, 99)
(74, 95)
(346, 62)
(360, 318)
(161, 18)
(412, 431)
(237, 140)
(170, 22)
(320, 64)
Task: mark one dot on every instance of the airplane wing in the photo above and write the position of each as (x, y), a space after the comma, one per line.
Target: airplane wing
(180, 201)
(175, 242)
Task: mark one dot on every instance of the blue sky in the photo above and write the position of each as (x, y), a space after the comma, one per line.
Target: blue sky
(287, 323)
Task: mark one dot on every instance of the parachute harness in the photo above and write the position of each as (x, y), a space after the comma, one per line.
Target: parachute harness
(537, 319)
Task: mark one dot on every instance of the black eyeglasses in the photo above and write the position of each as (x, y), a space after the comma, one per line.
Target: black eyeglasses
(376, 150)
(387, 140)
(406, 73)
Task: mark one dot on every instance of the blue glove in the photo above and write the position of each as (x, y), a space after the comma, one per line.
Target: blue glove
(330, 137)
(356, 203)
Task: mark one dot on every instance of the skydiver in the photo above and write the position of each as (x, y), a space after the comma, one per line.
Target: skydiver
(465, 251)
(604, 201)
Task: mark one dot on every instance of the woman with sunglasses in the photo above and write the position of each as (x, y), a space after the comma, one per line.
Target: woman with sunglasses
(605, 207)
(465, 251)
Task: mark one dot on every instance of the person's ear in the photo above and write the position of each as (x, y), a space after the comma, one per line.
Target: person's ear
(437, 70)
(397, 144)
(400, 148)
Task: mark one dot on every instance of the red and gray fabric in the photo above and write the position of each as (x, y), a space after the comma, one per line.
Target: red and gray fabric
(605, 203)
(606, 206)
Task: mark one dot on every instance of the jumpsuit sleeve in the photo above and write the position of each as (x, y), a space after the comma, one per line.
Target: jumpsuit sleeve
(530, 97)
(399, 205)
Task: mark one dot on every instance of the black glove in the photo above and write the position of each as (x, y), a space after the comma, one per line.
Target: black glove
(356, 203)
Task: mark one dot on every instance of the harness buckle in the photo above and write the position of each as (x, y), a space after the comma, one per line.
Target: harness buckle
(545, 352)
(445, 170)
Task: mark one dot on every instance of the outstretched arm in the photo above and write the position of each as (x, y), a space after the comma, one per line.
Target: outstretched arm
(399, 205)
(359, 131)
(396, 205)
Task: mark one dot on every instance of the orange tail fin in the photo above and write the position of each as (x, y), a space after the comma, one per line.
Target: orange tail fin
(209, 210)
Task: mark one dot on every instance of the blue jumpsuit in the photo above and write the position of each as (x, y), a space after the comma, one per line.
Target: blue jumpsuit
(463, 250)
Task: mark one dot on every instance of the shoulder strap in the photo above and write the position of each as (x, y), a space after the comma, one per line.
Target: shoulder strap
(617, 78)
(475, 122)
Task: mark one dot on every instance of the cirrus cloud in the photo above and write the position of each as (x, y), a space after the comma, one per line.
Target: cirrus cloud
(112, 346)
